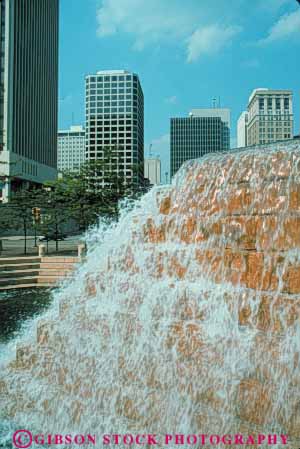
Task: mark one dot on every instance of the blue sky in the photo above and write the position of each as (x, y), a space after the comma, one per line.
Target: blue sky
(185, 53)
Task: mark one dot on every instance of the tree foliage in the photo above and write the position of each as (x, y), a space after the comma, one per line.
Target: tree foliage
(80, 196)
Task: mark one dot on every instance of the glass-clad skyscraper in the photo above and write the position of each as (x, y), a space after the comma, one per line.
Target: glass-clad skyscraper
(28, 93)
(115, 119)
(71, 148)
(204, 131)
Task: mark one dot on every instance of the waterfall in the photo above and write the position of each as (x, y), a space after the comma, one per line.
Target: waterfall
(184, 318)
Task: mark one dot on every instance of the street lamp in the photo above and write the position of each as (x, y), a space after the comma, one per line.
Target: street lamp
(36, 212)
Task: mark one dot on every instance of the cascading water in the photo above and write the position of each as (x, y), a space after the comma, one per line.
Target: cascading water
(183, 319)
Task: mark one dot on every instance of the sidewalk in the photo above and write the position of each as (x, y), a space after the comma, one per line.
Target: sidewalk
(14, 246)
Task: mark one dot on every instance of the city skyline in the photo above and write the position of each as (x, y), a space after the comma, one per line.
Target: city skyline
(70, 148)
(29, 93)
(270, 116)
(203, 131)
(115, 119)
(180, 70)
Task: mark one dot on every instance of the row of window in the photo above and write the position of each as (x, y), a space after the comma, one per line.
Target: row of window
(113, 128)
(278, 136)
(110, 135)
(118, 117)
(272, 138)
(110, 97)
(70, 156)
(108, 85)
(99, 147)
(110, 92)
(110, 141)
(272, 118)
(71, 151)
(107, 78)
(277, 103)
(66, 142)
(121, 120)
(108, 110)
(195, 133)
(72, 143)
(121, 164)
(113, 104)
(274, 129)
(71, 135)
(182, 146)
(66, 166)
(109, 128)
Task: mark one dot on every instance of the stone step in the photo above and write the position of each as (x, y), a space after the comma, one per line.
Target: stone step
(56, 272)
(50, 279)
(15, 281)
(20, 266)
(18, 260)
(56, 266)
(18, 273)
(21, 286)
(54, 260)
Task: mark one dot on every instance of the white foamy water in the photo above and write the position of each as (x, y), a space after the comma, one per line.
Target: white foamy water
(145, 349)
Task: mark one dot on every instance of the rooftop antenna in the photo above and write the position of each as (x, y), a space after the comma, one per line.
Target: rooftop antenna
(214, 103)
(219, 102)
(150, 150)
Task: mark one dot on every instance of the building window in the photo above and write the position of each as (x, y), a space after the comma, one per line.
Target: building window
(277, 104)
(286, 103)
(269, 104)
(261, 103)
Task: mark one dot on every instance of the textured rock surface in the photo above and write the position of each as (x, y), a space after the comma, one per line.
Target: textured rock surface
(191, 322)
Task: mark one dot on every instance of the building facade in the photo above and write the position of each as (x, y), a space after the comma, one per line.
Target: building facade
(242, 128)
(71, 148)
(270, 116)
(115, 119)
(28, 92)
(204, 131)
(153, 170)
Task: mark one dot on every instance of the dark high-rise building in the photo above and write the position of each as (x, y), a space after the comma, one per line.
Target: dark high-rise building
(115, 119)
(28, 92)
(204, 131)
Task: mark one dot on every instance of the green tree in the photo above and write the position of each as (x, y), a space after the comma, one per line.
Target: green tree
(17, 214)
(94, 190)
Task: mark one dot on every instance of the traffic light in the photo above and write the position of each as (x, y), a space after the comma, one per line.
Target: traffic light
(36, 212)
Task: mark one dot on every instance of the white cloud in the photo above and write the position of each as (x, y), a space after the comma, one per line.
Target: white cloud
(148, 21)
(210, 39)
(171, 100)
(287, 26)
(153, 22)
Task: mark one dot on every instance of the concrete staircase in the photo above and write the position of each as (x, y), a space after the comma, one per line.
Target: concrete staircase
(28, 272)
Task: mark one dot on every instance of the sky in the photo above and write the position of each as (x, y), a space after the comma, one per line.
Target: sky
(185, 52)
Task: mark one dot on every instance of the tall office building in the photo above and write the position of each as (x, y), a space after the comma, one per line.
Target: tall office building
(28, 92)
(153, 170)
(204, 131)
(270, 116)
(71, 148)
(242, 130)
(115, 119)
